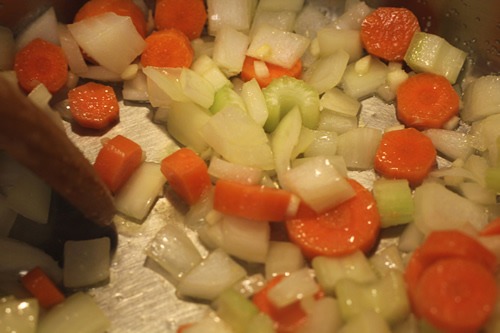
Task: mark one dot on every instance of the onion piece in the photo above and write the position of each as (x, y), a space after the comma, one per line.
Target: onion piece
(214, 274)
(411, 238)
(318, 183)
(336, 100)
(331, 40)
(136, 89)
(283, 258)
(86, 262)
(323, 144)
(298, 285)
(44, 27)
(140, 192)
(481, 98)
(164, 86)
(102, 38)
(19, 315)
(254, 100)
(335, 122)
(359, 146)
(478, 193)
(222, 169)
(235, 14)
(76, 62)
(453, 144)
(326, 72)
(16, 257)
(280, 19)
(230, 50)
(362, 85)
(79, 312)
(323, 316)
(40, 96)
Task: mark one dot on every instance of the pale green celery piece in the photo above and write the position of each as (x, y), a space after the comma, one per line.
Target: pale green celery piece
(493, 178)
(431, 53)
(386, 296)
(394, 201)
(366, 322)
(226, 97)
(285, 93)
(235, 309)
(330, 270)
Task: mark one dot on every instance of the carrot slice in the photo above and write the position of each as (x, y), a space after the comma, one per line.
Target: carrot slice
(441, 244)
(118, 158)
(167, 48)
(456, 295)
(187, 174)
(253, 202)
(288, 318)
(41, 62)
(188, 16)
(387, 32)
(42, 288)
(275, 71)
(426, 100)
(93, 105)
(119, 7)
(405, 154)
(491, 229)
(352, 225)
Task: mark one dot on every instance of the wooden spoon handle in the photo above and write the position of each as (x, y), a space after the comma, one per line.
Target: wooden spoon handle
(34, 140)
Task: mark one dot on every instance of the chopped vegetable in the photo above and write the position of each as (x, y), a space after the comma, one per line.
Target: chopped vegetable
(41, 62)
(491, 229)
(405, 154)
(426, 101)
(42, 287)
(119, 7)
(250, 71)
(187, 174)
(118, 158)
(254, 202)
(387, 32)
(350, 226)
(188, 16)
(93, 105)
(455, 295)
(167, 48)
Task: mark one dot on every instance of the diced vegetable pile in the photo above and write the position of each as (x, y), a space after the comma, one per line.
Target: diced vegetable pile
(264, 100)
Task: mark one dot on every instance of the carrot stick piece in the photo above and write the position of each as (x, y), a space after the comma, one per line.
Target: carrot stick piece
(288, 318)
(352, 225)
(275, 71)
(93, 105)
(426, 100)
(188, 16)
(41, 62)
(42, 288)
(167, 48)
(456, 295)
(187, 174)
(387, 32)
(253, 202)
(118, 158)
(119, 7)
(405, 154)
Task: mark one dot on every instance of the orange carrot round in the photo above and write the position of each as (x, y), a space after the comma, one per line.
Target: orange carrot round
(119, 7)
(456, 295)
(426, 100)
(387, 32)
(42, 287)
(167, 48)
(41, 62)
(118, 158)
(93, 105)
(188, 16)
(187, 174)
(405, 154)
(352, 225)
(275, 71)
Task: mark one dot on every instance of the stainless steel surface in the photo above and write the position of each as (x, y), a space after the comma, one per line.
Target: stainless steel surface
(139, 298)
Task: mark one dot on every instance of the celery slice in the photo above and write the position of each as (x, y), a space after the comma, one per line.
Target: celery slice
(235, 309)
(226, 97)
(283, 94)
(386, 296)
(394, 201)
(431, 53)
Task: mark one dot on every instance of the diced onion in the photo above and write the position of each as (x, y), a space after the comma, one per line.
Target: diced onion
(222, 169)
(298, 285)
(283, 258)
(44, 27)
(76, 62)
(358, 147)
(230, 50)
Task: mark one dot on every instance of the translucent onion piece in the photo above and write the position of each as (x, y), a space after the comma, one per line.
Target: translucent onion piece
(453, 144)
(44, 27)
(102, 38)
(481, 98)
(326, 72)
(16, 256)
(222, 169)
(213, 275)
(230, 50)
(136, 89)
(331, 40)
(235, 14)
(70, 47)
(410, 238)
(283, 258)
(323, 316)
(298, 285)
(363, 85)
(358, 147)
(174, 251)
(255, 103)
(280, 19)
(86, 262)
